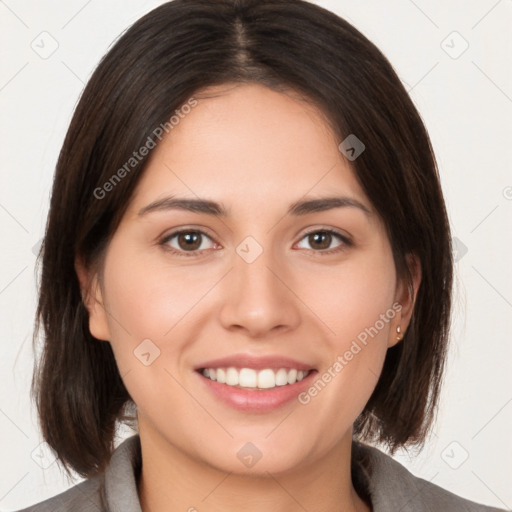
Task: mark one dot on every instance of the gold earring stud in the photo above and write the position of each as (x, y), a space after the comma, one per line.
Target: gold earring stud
(398, 330)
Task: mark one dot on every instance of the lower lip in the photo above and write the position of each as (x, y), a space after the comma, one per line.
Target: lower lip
(257, 400)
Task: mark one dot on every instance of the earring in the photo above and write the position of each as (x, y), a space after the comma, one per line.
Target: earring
(398, 331)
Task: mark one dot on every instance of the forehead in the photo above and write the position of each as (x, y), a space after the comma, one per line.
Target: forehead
(247, 145)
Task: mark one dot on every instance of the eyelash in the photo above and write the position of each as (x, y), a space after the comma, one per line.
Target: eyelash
(187, 254)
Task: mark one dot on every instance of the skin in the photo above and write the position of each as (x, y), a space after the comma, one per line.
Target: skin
(256, 151)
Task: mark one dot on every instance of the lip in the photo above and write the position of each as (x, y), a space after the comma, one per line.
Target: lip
(239, 361)
(256, 400)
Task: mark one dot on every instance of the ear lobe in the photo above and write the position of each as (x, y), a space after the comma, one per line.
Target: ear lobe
(93, 301)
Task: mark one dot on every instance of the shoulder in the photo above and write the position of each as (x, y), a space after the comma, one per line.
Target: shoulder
(83, 497)
(112, 489)
(393, 487)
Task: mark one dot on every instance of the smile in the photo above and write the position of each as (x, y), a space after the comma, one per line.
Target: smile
(266, 378)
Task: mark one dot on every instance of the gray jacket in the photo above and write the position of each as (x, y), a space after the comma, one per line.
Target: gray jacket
(390, 485)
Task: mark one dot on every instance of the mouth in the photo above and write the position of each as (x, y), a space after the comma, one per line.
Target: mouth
(255, 384)
(252, 379)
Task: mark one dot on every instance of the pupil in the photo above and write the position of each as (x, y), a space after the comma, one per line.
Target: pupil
(188, 237)
(317, 236)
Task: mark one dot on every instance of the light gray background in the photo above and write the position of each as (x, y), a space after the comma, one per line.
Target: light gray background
(465, 100)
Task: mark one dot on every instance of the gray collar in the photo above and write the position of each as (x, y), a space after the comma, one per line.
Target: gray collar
(390, 485)
(121, 477)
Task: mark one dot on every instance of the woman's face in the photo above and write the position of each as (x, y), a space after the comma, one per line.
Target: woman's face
(264, 287)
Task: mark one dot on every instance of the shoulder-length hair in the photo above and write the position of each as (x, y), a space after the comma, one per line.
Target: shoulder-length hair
(153, 69)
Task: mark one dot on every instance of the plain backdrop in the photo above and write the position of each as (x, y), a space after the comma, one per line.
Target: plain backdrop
(453, 57)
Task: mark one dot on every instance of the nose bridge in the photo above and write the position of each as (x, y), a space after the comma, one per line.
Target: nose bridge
(258, 298)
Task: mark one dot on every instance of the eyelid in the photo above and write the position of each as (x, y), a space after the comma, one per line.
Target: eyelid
(346, 239)
(316, 229)
(166, 238)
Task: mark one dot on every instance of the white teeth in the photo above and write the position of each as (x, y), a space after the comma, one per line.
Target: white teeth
(231, 377)
(221, 375)
(266, 379)
(292, 376)
(250, 378)
(281, 377)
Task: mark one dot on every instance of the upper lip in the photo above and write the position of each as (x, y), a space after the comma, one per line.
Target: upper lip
(254, 362)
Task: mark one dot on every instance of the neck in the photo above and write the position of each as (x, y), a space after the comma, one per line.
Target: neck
(172, 480)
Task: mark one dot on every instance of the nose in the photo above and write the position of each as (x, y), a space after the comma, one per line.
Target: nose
(259, 297)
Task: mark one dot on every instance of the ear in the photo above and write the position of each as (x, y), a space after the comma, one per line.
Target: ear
(93, 301)
(405, 296)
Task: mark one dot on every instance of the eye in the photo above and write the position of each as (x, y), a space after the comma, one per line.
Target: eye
(320, 240)
(187, 240)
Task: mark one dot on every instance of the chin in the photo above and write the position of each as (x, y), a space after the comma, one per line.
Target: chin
(256, 455)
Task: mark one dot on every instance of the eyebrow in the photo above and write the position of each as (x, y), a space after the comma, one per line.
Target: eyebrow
(208, 207)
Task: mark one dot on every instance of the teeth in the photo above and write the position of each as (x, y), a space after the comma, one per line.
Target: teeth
(221, 375)
(281, 377)
(266, 379)
(292, 376)
(249, 378)
(231, 377)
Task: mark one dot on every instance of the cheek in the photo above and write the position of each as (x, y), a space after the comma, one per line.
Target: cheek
(352, 297)
(146, 299)
(152, 315)
(146, 317)
(355, 303)
(140, 307)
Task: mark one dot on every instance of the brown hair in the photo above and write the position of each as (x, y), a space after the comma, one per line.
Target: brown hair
(156, 66)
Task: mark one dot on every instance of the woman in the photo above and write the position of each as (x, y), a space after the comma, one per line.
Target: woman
(247, 244)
